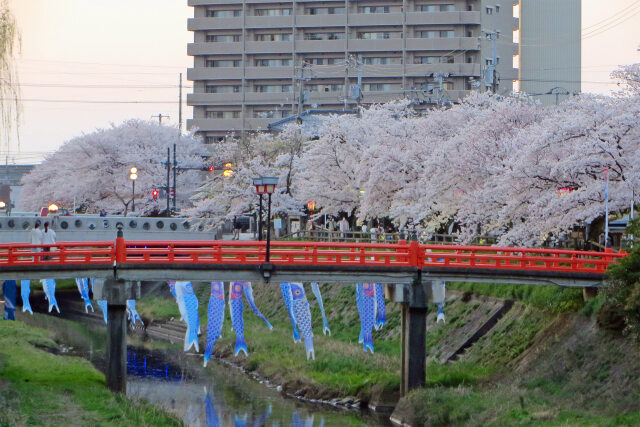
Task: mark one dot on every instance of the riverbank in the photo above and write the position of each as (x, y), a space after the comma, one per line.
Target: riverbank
(543, 360)
(38, 387)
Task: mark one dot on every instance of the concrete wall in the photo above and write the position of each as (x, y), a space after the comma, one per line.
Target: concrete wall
(94, 228)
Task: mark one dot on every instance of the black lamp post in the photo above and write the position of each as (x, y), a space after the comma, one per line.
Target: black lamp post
(267, 186)
(258, 182)
(133, 175)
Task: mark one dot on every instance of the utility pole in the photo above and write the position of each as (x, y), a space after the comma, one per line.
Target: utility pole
(180, 106)
(439, 78)
(352, 92)
(491, 73)
(168, 177)
(175, 167)
(160, 117)
(301, 92)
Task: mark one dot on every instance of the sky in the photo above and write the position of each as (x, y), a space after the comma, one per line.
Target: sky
(87, 64)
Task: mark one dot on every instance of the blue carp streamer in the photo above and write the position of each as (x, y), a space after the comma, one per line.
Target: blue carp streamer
(325, 324)
(188, 304)
(381, 316)
(49, 287)
(302, 316)
(248, 292)
(215, 318)
(367, 315)
(236, 306)
(25, 290)
(132, 314)
(286, 296)
(83, 288)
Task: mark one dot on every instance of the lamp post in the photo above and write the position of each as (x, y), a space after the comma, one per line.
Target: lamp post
(258, 183)
(133, 175)
(52, 208)
(311, 206)
(3, 206)
(267, 185)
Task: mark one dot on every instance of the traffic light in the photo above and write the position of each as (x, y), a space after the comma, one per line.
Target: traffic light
(228, 170)
(171, 193)
(211, 169)
(154, 194)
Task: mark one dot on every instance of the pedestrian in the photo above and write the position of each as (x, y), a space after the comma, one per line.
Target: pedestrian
(9, 289)
(103, 212)
(49, 238)
(36, 236)
(236, 228)
(374, 230)
(344, 227)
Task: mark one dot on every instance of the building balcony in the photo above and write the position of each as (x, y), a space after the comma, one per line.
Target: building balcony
(380, 45)
(372, 19)
(310, 21)
(458, 69)
(212, 2)
(214, 48)
(459, 43)
(218, 73)
(268, 47)
(269, 21)
(215, 124)
(267, 72)
(214, 98)
(197, 24)
(269, 98)
(319, 46)
(441, 18)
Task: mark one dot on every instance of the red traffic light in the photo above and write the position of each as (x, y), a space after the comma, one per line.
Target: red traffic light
(154, 194)
(211, 168)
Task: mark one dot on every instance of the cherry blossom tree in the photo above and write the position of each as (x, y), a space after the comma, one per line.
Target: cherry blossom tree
(94, 169)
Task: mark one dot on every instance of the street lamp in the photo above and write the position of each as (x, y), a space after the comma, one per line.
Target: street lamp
(267, 185)
(3, 205)
(311, 206)
(133, 175)
(53, 208)
(258, 183)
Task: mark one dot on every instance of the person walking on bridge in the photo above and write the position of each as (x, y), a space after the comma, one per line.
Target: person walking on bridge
(37, 236)
(49, 238)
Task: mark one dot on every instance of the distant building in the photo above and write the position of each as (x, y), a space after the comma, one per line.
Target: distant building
(550, 49)
(10, 188)
(258, 61)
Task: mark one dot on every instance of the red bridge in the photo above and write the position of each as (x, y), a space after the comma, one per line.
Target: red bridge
(409, 269)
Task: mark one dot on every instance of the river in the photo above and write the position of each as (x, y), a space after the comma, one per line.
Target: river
(218, 395)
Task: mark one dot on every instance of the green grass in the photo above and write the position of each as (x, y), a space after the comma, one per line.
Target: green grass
(39, 388)
(158, 308)
(556, 299)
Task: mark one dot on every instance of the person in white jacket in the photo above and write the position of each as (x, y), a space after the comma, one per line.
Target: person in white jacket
(37, 236)
(49, 238)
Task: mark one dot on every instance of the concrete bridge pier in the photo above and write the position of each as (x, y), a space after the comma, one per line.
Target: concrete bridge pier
(116, 292)
(414, 299)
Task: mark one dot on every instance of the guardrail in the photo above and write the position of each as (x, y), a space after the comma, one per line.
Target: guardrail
(401, 254)
(63, 253)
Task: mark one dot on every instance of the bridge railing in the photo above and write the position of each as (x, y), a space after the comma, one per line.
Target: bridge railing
(508, 258)
(401, 254)
(13, 254)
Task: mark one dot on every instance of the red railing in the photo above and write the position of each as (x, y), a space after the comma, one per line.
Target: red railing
(63, 253)
(399, 254)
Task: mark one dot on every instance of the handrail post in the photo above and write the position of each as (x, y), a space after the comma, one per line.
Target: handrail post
(414, 254)
(120, 248)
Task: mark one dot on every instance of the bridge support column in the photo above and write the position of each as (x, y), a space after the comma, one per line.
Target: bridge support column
(589, 293)
(414, 300)
(116, 292)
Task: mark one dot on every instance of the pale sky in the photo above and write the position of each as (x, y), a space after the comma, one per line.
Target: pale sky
(130, 52)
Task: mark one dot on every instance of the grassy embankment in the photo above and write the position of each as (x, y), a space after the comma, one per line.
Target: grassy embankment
(40, 388)
(545, 361)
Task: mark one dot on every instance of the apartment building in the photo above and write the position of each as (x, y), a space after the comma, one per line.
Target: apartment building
(257, 61)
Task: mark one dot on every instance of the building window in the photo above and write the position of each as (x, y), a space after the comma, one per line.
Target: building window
(273, 88)
(434, 60)
(273, 12)
(223, 13)
(374, 9)
(447, 34)
(334, 87)
(437, 8)
(376, 87)
(497, 8)
(272, 114)
(221, 63)
(376, 60)
(489, 10)
(223, 114)
(447, 8)
(324, 36)
(284, 37)
(286, 62)
(222, 88)
(216, 38)
(374, 36)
